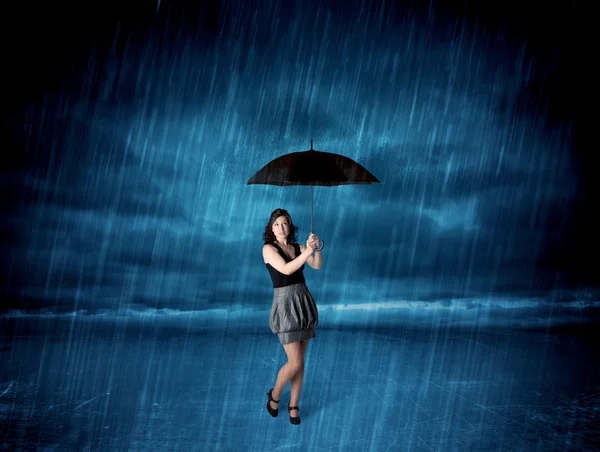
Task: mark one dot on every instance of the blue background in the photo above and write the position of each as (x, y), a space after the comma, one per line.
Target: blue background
(460, 287)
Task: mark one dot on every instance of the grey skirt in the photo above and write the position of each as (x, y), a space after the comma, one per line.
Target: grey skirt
(294, 313)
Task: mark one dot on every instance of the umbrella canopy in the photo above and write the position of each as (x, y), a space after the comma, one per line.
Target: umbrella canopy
(313, 168)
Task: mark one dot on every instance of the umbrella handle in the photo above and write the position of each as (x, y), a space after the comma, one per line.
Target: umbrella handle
(322, 246)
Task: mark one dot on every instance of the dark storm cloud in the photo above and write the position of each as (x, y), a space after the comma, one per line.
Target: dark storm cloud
(144, 203)
(94, 169)
(452, 243)
(453, 170)
(121, 195)
(159, 249)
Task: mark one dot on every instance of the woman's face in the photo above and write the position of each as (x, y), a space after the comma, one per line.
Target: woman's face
(281, 227)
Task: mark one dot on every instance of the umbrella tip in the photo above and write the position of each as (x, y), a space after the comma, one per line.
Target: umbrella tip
(311, 145)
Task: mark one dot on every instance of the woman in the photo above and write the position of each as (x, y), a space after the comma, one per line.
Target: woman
(294, 312)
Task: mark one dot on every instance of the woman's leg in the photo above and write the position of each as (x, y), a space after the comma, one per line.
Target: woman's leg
(296, 381)
(288, 370)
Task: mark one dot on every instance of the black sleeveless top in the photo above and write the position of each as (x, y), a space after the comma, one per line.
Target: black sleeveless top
(281, 280)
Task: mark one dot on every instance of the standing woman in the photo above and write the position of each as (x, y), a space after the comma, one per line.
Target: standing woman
(294, 313)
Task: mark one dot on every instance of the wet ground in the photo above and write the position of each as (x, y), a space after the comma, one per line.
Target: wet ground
(114, 384)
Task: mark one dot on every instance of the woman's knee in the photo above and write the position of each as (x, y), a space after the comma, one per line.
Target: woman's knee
(296, 365)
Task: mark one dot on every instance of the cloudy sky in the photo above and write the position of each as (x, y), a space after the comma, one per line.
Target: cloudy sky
(133, 139)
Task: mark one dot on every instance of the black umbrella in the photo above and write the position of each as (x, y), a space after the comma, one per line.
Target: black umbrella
(312, 167)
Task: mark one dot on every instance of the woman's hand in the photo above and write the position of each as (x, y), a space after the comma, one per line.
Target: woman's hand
(312, 242)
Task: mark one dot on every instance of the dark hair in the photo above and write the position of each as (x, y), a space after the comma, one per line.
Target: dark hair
(269, 237)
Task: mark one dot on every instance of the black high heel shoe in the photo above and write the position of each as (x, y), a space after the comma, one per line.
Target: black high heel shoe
(272, 412)
(294, 420)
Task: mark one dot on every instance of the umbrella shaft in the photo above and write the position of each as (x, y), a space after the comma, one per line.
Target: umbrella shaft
(311, 209)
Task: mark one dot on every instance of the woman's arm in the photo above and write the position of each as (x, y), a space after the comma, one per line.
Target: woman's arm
(315, 260)
(273, 258)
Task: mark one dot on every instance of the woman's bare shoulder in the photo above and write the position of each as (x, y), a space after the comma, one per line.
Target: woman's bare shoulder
(268, 249)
